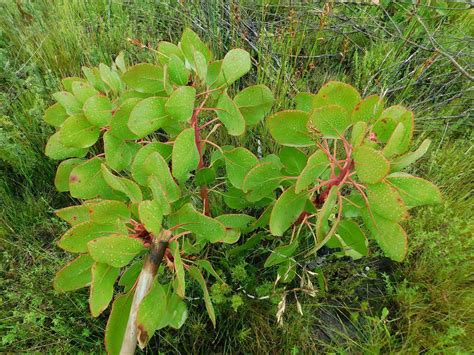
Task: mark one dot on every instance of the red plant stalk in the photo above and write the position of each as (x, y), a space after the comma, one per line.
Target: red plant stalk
(204, 193)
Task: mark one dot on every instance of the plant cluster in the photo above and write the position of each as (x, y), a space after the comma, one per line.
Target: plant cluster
(138, 150)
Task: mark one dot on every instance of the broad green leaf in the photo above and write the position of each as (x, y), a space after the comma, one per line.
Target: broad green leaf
(304, 101)
(385, 201)
(337, 93)
(117, 323)
(108, 212)
(120, 62)
(191, 43)
(289, 128)
(82, 91)
(322, 221)
(350, 238)
(75, 239)
(98, 110)
(173, 127)
(152, 312)
(147, 116)
(214, 78)
(281, 254)
(75, 275)
(254, 102)
(58, 151)
(200, 64)
(130, 275)
(293, 159)
(205, 176)
(402, 162)
(115, 250)
(383, 128)
(238, 163)
(159, 194)
(185, 156)
(138, 164)
(180, 104)
(196, 274)
(242, 222)
(130, 94)
(330, 121)
(415, 191)
(204, 227)
(166, 50)
(78, 132)
(160, 308)
(395, 145)
(68, 101)
(370, 164)
(118, 153)
(286, 211)
(400, 114)
(389, 235)
(156, 165)
(102, 287)
(74, 214)
(61, 180)
(93, 77)
(359, 131)
(352, 205)
(261, 180)
(236, 64)
(146, 78)
(124, 185)
(67, 82)
(110, 77)
(368, 110)
(229, 115)
(98, 211)
(55, 115)
(177, 70)
(232, 235)
(180, 282)
(151, 215)
(86, 181)
(317, 163)
(176, 310)
(192, 247)
(235, 198)
(273, 159)
(119, 124)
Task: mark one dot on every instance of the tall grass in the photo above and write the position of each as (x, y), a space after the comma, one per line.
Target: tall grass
(295, 47)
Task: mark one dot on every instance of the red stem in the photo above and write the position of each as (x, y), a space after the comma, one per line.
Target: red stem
(198, 141)
(335, 181)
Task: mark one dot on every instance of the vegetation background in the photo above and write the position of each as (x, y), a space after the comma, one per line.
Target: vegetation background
(417, 53)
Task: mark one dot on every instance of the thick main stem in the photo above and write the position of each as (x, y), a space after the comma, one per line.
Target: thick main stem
(143, 285)
(335, 181)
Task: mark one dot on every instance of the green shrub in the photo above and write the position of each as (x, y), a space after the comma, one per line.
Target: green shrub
(159, 195)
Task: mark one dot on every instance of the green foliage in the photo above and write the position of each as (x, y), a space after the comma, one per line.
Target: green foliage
(122, 216)
(378, 53)
(339, 167)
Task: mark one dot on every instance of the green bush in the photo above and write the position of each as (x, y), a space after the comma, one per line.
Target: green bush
(136, 148)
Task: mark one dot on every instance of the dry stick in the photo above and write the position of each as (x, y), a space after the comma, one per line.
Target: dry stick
(143, 285)
(440, 50)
